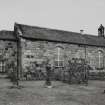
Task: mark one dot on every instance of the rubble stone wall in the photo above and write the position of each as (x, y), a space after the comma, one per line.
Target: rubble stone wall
(8, 55)
(37, 51)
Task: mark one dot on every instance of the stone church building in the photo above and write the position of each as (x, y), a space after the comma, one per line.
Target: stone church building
(27, 47)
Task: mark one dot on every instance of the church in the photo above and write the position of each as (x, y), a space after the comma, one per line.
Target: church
(27, 47)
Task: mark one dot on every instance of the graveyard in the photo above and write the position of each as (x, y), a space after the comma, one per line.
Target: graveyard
(35, 93)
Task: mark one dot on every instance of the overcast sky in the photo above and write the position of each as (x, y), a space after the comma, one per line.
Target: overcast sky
(70, 15)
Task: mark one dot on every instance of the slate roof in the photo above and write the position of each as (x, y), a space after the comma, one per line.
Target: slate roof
(39, 33)
(7, 35)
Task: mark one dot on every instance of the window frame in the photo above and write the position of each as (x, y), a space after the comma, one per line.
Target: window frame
(57, 60)
(100, 56)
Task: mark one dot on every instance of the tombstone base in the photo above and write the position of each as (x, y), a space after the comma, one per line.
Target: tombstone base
(49, 87)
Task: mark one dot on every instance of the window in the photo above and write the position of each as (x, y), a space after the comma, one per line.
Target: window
(100, 60)
(2, 67)
(59, 57)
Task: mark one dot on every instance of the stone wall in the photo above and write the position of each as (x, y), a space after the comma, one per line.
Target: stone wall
(38, 51)
(8, 55)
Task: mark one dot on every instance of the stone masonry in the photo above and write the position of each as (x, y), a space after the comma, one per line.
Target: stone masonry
(37, 51)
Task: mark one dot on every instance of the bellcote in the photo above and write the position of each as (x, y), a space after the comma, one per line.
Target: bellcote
(101, 30)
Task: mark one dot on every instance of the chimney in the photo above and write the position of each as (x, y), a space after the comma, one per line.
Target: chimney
(101, 30)
(82, 32)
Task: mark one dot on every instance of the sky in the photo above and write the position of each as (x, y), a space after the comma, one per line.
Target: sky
(69, 15)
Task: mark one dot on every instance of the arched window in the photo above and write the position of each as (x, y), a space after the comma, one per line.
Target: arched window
(59, 57)
(100, 60)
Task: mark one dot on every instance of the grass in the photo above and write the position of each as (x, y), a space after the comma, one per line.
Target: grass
(35, 93)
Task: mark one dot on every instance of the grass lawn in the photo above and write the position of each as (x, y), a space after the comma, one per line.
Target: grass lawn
(34, 93)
